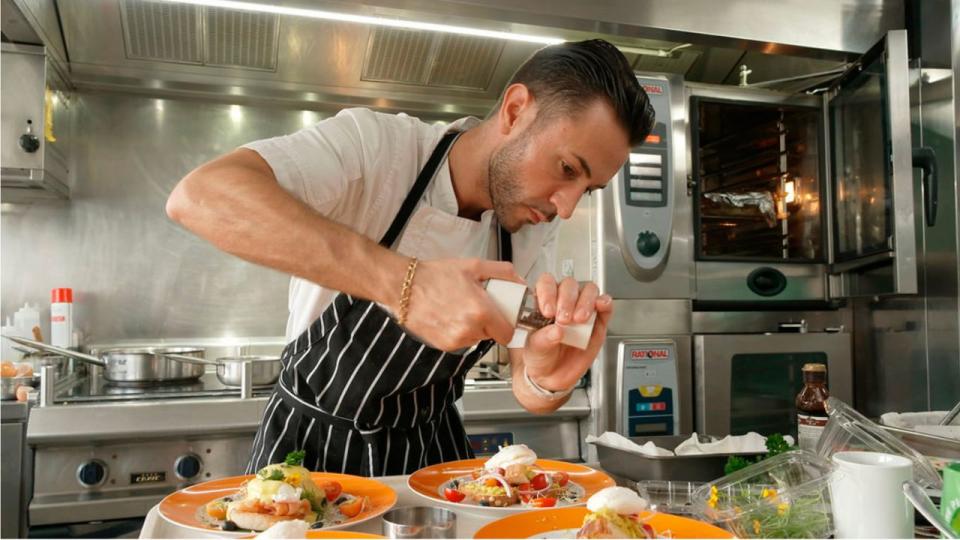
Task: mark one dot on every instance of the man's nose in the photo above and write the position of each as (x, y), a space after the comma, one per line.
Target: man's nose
(565, 200)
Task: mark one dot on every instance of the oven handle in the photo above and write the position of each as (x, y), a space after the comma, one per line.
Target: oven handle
(925, 159)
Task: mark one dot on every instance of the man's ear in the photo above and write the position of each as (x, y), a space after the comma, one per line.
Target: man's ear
(515, 108)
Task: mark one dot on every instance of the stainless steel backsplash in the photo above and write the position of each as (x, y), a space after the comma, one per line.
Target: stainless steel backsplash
(135, 274)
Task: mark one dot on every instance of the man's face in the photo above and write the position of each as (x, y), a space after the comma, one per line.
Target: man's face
(542, 172)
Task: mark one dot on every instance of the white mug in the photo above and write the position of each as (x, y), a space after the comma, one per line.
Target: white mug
(866, 494)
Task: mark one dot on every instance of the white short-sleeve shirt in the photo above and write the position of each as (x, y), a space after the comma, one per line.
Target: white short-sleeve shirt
(357, 167)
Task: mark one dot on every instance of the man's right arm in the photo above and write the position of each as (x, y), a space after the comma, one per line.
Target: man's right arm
(236, 203)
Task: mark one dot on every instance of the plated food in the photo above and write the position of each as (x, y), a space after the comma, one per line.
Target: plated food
(283, 492)
(513, 480)
(613, 512)
(279, 493)
(617, 512)
(512, 477)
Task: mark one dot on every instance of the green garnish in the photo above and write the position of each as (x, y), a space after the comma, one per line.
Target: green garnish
(776, 444)
(274, 474)
(735, 463)
(295, 458)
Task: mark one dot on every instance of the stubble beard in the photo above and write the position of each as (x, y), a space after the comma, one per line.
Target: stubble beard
(503, 185)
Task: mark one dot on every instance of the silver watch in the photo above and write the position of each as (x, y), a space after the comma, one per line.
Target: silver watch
(542, 392)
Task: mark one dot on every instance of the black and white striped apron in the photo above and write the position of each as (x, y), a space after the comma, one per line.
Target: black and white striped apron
(360, 395)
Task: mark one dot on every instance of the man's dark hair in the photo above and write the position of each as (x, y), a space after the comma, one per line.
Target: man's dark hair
(565, 78)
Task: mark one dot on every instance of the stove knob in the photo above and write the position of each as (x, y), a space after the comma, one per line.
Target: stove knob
(187, 466)
(92, 473)
(648, 243)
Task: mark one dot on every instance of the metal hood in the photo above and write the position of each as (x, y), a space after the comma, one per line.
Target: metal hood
(166, 49)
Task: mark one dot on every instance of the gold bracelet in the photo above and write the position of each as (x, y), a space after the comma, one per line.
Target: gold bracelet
(405, 292)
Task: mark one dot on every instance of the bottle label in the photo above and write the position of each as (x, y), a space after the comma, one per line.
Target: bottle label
(809, 428)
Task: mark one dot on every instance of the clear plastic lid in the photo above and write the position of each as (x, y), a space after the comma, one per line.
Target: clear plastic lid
(785, 496)
(850, 430)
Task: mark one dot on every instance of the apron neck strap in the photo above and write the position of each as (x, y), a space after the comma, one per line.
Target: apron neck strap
(420, 186)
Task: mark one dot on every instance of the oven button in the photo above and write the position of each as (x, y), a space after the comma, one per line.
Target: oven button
(92, 473)
(648, 243)
(187, 466)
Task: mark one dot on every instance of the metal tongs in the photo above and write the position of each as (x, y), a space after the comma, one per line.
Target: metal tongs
(951, 415)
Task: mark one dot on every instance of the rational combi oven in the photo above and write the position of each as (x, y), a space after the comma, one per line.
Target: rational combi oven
(805, 197)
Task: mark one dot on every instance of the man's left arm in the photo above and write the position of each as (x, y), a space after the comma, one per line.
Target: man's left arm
(545, 362)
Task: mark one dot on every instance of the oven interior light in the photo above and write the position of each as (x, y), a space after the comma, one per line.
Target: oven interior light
(789, 191)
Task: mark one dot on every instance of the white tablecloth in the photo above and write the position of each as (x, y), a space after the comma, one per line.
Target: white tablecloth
(154, 526)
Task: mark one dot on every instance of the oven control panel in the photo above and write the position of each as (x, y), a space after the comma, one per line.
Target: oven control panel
(648, 388)
(645, 191)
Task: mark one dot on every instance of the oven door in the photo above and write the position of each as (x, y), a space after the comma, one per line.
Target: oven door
(748, 382)
(867, 113)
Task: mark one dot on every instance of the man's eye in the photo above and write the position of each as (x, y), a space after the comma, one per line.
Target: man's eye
(568, 170)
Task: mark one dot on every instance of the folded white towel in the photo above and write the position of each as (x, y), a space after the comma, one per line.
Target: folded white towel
(924, 422)
(616, 440)
(751, 443)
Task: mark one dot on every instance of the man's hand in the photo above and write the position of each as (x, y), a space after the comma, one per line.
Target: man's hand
(549, 363)
(449, 308)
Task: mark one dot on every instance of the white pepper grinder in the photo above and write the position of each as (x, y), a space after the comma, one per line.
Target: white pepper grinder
(519, 305)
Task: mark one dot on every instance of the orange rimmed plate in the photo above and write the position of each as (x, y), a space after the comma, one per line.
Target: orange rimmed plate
(565, 522)
(340, 534)
(321, 533)
(429, 482)
(181, 507)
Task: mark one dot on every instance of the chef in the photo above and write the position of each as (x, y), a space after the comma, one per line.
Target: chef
(390, 227)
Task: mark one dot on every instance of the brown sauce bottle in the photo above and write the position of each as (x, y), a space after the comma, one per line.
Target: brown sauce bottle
(811, 406)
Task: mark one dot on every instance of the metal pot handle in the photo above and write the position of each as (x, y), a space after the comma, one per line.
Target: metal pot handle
(188, 359)
(90, 359)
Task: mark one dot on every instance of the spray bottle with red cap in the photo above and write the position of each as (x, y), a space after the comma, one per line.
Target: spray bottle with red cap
(61, 317)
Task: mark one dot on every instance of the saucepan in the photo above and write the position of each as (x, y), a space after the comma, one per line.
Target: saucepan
(140, 365)
(265, 370)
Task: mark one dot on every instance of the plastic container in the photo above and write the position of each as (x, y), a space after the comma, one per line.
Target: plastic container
(848, 430)
(786, 496)
(669, 496)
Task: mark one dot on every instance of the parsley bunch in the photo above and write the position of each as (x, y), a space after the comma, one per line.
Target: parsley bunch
(776, 444)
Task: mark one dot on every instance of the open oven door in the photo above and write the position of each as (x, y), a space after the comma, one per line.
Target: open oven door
(873, 243)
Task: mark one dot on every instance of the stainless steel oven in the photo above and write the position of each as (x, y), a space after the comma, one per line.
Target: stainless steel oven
(748, 382)
(805, 197)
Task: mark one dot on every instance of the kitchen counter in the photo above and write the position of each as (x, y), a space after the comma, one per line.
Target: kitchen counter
(154, 526)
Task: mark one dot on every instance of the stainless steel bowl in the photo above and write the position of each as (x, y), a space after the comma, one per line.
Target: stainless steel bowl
(9, 385)
(265, 370)
(420, 522)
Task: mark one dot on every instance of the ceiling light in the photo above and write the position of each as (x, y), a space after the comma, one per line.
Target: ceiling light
(366, 19)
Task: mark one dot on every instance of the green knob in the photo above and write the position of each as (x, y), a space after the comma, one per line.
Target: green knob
(648, 244)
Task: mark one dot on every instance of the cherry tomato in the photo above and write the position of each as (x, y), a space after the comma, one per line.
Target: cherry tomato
(454, 495)
(561, 478)
(539, 482)
(332, 489)
(352, 507)
(543, 502)
(649, 530)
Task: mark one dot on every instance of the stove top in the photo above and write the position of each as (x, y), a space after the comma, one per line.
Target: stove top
(94, 389)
